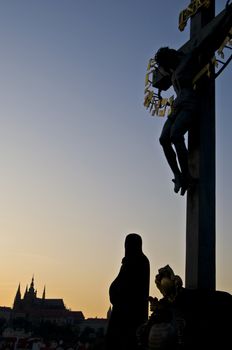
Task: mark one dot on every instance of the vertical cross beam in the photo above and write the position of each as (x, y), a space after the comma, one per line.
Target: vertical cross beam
(200, 216)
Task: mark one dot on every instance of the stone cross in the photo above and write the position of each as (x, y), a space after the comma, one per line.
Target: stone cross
(200, 267)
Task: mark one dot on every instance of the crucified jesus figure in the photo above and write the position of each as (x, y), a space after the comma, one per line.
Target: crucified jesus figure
(182, 67)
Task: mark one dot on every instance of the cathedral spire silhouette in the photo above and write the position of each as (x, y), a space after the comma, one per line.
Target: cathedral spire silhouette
(43, 297)
(26, 291)
(17, 298)
(32, 283)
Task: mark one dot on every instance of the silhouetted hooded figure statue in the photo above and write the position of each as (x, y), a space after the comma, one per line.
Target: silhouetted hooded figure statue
(129, 297)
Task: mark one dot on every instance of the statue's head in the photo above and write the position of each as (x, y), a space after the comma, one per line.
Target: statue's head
(168, 283)
(167, 58)
(133, 244)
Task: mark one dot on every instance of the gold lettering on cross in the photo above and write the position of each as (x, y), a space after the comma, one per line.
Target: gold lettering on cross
(190, 11)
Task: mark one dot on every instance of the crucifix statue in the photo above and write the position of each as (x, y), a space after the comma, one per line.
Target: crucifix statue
(191, 70)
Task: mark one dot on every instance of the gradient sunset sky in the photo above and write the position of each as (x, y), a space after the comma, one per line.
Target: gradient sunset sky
(80, 161)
